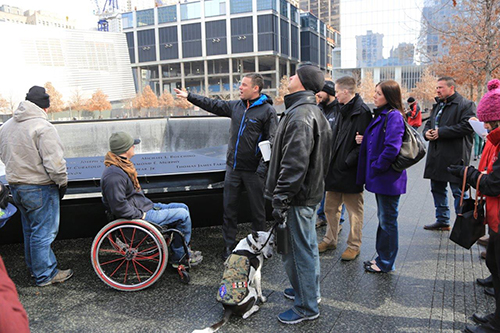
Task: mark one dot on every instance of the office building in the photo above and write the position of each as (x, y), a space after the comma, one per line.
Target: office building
(327, 11)
(369, 49)
(35, 17)
(381, 37)
(72, 60)
(208, 46)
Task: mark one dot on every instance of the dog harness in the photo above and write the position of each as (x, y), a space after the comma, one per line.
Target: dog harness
(234, 285)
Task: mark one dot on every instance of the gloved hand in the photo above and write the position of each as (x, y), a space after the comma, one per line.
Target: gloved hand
(62, 191)
(456, 170)
(279, 214)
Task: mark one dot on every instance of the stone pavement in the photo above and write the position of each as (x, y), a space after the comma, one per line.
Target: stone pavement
(433, 288)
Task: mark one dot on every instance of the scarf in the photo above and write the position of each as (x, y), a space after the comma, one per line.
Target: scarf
(124, 164)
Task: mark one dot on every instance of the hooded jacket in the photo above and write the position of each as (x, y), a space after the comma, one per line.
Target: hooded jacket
(300, 154)
(31, 149)
(250, 124)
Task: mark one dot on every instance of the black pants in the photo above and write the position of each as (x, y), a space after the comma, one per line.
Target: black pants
(234, 182)
(493, 263)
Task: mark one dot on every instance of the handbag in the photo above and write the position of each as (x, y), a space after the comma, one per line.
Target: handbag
(412, 149)
(469, 225)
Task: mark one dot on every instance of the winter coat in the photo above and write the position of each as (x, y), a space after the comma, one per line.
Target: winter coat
(300, 154)
(379, 150)
(120, 197)
(454, 144)
(354, 117)
(31, 149)
(331, 111)
(414, 116)
(490, 183)
(250, 124)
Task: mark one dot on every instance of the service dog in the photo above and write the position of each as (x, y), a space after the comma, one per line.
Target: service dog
(240, 288)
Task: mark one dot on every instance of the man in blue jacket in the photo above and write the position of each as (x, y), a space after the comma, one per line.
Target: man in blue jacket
(253, 119)
(123, 197)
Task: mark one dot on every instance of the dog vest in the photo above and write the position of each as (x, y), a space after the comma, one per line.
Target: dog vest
(234, 285)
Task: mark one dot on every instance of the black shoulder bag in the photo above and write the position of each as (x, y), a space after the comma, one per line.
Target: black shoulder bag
(469, 225)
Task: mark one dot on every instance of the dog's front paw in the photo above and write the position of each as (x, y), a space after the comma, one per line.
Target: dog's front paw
(263, 299)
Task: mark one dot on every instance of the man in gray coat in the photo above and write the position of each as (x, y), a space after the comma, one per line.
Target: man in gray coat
(450, 142)
(35, 169)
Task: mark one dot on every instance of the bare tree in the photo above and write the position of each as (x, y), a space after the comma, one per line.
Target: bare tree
(56, 102)
(3, 103)
(472, 39)
(366, 87)
(166, 101)
(77, 101)
(425, 89)
(282, 90)
(99, 102)
(149, 99)
(137, 103)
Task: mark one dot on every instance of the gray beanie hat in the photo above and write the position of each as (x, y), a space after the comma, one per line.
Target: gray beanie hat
(120, 142)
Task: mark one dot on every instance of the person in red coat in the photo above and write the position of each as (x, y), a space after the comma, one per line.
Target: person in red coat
(13, 317)
(488, 111)
(414, 115)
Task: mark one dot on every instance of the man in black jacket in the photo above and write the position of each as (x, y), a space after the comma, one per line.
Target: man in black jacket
(354, 117)
(123, 197)
(450, 142)
(295, 185)
(253, 119)
(330, 107)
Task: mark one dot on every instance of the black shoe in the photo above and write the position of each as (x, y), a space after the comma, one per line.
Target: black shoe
(488, 282)
(483, 328)
(437, 226)
(226, 252)
(489, 291)
(483, 319)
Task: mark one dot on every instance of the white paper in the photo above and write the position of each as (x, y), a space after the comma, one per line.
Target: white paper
(478, 127)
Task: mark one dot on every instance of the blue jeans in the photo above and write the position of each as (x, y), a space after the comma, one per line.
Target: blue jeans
(172, 215)
(440, 194)
(387, 233)
(321, 211)
(302, 261)
(39, 208)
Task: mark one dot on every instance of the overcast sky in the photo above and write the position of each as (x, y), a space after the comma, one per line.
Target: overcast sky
(80, 10)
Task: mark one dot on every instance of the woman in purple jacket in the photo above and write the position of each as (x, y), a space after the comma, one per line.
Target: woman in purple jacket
(380, 145)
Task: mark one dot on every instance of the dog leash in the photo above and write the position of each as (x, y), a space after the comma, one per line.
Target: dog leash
(253, 247)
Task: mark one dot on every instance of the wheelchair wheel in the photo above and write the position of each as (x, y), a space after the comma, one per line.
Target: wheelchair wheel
(184, 276)
(129, 255)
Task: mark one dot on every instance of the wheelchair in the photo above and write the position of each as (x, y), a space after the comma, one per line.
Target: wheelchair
(131, 255)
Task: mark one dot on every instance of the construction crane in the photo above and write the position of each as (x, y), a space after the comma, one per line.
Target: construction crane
(106, 10)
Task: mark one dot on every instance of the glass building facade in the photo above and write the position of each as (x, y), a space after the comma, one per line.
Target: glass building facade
(381, 37)
(327, 11)
(373, 30)
(208, 46)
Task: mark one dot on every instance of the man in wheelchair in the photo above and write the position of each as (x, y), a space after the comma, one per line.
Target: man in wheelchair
(123, 197)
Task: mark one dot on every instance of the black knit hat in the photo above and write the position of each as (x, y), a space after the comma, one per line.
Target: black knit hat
(311, 77)
(38, 96)
(329, 88)
(411, 100)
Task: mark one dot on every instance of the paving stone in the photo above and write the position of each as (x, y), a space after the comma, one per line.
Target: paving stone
(432, 289)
